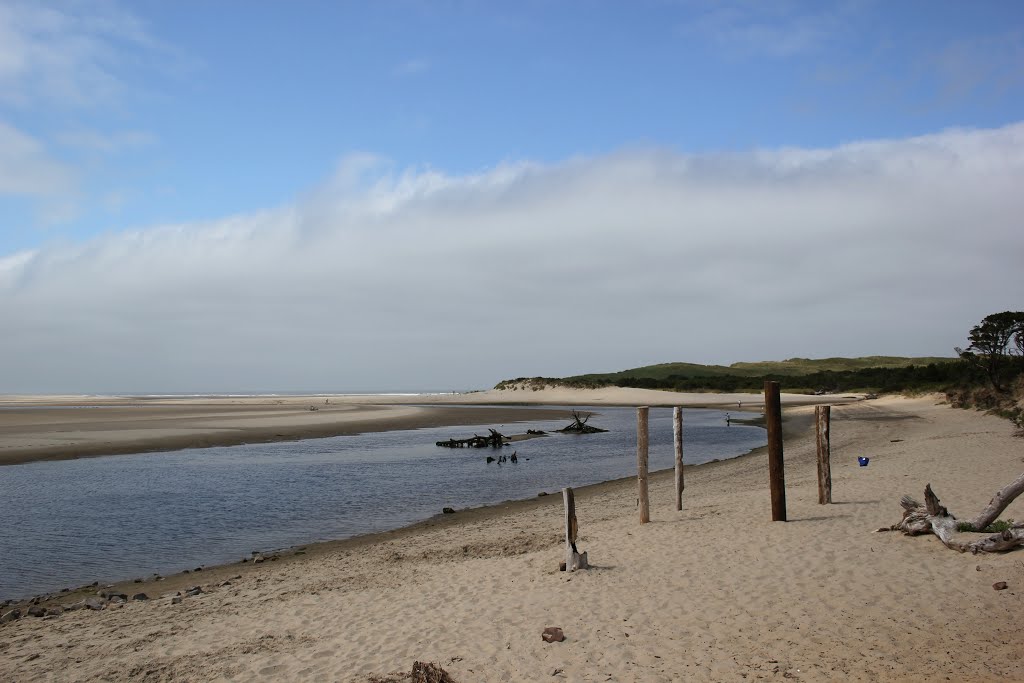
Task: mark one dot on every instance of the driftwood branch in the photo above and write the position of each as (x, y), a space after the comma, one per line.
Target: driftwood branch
(933, 517)
(579, 426)
(1003, 497)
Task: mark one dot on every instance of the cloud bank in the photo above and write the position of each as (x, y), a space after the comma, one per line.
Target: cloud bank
(414, 279)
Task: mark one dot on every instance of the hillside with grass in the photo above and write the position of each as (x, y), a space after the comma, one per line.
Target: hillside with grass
(796, 375)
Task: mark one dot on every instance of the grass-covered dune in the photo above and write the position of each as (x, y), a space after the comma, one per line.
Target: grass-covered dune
(869, 373)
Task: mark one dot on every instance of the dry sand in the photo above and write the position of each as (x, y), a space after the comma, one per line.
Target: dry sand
(716, 592)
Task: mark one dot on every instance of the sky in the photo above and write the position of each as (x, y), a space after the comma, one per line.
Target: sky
(431, 195)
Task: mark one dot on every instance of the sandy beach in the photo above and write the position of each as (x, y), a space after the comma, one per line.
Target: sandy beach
(716, 592)
(64, 427)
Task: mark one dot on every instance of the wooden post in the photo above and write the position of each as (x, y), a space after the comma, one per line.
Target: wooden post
(822, 415)
(776, 467)
(641, 463)
(677, 431)
(573, 559)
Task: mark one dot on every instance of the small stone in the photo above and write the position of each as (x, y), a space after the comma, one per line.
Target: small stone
(13, 615)
(194, 590)
(1000, 585)
(137, 581)
(448, 511)
(257, 559)
(94, 603)
(116, 597)
(140, 596)
(198, 569)
(176, 600)
(54, 611)
(561, 566)
(36, 611)
(542, 493)
(72, 606)
(552, 634)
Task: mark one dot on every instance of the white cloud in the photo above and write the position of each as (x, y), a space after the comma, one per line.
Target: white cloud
(26, 168)
(418, 279)
(753, 29)
(62, 54)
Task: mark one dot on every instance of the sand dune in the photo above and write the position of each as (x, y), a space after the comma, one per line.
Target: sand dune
(716, 592)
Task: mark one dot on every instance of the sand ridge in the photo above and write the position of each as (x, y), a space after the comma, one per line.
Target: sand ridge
(716, 592)
(65, 427)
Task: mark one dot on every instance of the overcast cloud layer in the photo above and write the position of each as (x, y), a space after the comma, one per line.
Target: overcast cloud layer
(383, 279)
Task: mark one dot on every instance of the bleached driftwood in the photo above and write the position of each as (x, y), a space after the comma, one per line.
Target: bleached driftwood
(933, 517)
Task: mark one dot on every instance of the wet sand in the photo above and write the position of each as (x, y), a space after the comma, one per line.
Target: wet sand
(65, 427)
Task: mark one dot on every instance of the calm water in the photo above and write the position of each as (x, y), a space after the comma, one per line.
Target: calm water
(71, 522)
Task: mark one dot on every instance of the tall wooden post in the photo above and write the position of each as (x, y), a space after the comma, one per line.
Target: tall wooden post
(677, 431)
(573, 558)
(776, 468)
(641, 464)
(822, 415)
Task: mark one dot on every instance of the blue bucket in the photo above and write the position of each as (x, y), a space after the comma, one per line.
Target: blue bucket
(863, 461)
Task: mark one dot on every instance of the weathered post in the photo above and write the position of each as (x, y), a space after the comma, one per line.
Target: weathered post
(822, 415)
(573, 559)
(641, 463)
(677, 431)
(776, 468)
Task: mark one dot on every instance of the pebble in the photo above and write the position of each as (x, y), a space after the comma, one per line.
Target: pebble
(1000, 585)
(10, 616)
(552, 634)
(36, 611)
(140, 596)
(94, 603)
(176, 600)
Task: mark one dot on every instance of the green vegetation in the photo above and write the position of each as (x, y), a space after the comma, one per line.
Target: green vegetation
(996, 527)
(873, 373)
(988, 374)
(996, 343)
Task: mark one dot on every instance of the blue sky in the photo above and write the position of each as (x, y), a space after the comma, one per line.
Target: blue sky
(123, 122)
(167, 112)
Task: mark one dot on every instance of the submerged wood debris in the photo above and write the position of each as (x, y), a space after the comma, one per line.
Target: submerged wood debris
(495, 440)
(579, 426)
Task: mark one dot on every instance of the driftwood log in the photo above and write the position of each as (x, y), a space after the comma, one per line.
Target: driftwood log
(579, 426)
(933, 517)
(495, 440)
